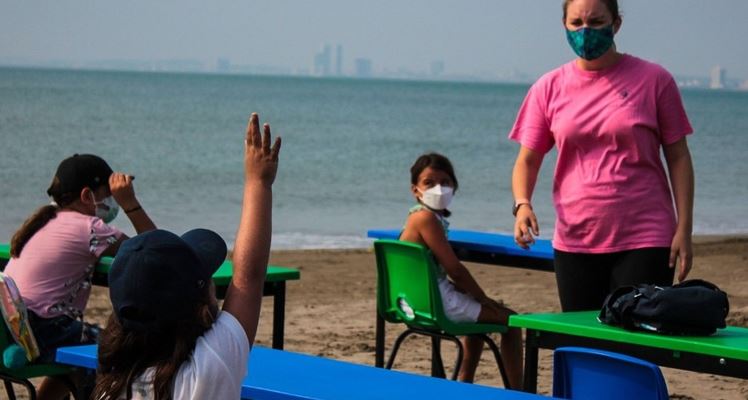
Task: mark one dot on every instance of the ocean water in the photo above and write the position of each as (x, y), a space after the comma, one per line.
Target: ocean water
(347, 148)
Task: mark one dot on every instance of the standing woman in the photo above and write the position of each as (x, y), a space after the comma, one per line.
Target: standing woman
(608, 114)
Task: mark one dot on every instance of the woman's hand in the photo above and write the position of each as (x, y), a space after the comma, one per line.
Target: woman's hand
(681, 252)
(524, 175)
(525, 226)
(260, 160)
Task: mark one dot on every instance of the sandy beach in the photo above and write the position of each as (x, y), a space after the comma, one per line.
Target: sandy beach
(331, 311)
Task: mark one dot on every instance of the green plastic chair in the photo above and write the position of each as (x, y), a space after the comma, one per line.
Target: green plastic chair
(22, 374)
(408, 293)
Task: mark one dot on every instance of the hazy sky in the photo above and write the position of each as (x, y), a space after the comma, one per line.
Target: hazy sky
(688, 37)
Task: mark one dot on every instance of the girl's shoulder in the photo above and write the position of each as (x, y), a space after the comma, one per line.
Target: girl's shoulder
(420, 213)
(422, 218)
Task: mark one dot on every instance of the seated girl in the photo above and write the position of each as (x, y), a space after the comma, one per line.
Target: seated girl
(433, 182)
(55, 251)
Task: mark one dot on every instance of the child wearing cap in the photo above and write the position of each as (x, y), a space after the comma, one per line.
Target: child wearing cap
(55, 251)
(166, 338)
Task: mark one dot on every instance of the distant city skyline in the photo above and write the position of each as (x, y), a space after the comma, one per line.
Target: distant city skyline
(511, 40)
(362, 67)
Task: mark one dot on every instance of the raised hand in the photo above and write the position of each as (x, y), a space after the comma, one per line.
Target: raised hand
(122, 190)
(260, 159)
(252, 246)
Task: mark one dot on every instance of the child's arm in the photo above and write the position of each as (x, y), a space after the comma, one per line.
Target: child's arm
(124, 194)
(252, 248)
(432, 233)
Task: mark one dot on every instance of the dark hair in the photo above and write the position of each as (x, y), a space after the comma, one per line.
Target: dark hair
(62, 198)
(39, 218)
(612, 6)
(437, 162)
(124, 355)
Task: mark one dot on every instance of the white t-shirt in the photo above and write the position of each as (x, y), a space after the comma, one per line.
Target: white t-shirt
(214, 370)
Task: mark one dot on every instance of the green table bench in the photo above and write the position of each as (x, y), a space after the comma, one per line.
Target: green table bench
(724, 353)
(275, 285)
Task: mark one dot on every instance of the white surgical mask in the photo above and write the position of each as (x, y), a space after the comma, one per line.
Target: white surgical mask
(437, 198)
(109, 211)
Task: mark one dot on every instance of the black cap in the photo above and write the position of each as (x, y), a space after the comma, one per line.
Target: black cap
(79, 171)
(157, 277)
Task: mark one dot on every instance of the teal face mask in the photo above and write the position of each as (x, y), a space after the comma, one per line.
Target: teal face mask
(590, 43)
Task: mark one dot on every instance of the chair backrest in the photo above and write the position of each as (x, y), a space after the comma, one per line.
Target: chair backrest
(582, 373)
(407, 288)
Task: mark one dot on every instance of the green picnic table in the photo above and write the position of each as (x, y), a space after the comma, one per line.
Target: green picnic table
(723, 353)
(275, 285)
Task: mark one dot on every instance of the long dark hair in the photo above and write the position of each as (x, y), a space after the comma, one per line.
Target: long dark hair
(124, 355)
(437, 162)
(40, 217)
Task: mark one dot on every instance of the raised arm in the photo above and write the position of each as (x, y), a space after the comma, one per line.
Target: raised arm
(524, 176)
(252, 248)
(124, 194)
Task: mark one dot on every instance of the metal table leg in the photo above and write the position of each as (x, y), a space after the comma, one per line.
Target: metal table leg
(279, 314)
(531, 362)
(379, 342)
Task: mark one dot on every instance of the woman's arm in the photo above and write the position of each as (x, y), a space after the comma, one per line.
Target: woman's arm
(524, 176)
(680, 167)
(252, 248)
(432, 233)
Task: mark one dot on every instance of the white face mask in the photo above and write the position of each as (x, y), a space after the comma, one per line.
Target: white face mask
(437, 198)
(109, 211)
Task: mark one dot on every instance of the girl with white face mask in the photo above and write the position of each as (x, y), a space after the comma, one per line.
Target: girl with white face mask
(433, 184)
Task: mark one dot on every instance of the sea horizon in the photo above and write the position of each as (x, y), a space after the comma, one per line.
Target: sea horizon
(348, 144)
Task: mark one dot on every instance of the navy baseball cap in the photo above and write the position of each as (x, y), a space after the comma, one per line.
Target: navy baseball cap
(79, 171)
(157, 277)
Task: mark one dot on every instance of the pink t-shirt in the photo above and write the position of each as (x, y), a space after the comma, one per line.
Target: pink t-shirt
(54, 270)
(610, 189)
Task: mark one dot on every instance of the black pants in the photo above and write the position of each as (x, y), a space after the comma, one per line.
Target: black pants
(584, 280)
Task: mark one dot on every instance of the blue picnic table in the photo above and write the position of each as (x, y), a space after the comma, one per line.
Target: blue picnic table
(281, 375)
(489, 248)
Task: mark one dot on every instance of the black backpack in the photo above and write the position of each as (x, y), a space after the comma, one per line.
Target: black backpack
(693, 307)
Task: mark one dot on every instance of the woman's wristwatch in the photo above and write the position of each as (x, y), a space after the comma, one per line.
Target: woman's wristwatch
(519, 203)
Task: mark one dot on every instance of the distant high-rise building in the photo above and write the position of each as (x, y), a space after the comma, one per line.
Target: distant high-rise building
(717, 77)
(339, 60)
(323, 61)
(437, 68)
(363, 67)
(223, 65)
